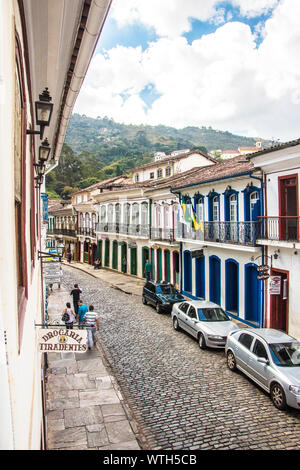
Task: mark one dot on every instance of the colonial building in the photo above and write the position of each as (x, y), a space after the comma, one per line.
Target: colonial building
(165, 166)
(280, 234)
(46, 47)
(62, 227)
(219, 260)
(137, 222)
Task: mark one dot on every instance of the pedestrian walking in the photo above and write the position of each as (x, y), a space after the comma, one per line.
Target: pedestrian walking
(124, 264)
(147, 270)
(91, 322)
(97, 264)
(69, 257)
(76, 296)
(68, 316)
(82, 309)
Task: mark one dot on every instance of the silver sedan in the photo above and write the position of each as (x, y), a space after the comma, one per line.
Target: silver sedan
(206, 321)
(269, 357)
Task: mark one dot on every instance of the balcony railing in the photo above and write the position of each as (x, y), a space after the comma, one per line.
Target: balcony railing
(62, 231)
(280, 228)
(163, 234)
(124, 229)
(241, 233)
(90, 232)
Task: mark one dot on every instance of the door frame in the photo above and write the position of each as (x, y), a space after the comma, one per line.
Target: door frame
(273, 272)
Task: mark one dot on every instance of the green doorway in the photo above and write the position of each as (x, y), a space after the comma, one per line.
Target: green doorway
(145, 257)
(115, 255)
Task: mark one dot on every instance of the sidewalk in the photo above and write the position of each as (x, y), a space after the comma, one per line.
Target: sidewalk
(124, 282)
(85, 407)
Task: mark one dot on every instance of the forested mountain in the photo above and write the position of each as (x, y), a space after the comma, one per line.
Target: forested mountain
(96, 149)
(85, 133)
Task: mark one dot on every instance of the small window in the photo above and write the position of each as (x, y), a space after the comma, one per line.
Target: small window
(137, 178)
(192, 313)
(152, 175)
(168, 171)
(259, 350)
(246, 340)
(184, 307)
(159, 173)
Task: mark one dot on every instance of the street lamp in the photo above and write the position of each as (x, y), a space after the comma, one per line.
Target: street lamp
(43, 113)
(44, 151)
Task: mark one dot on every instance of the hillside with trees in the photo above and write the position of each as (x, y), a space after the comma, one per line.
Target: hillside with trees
(96, 149)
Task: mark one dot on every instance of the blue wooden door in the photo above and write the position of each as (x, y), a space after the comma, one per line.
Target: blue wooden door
(215, 280)
(200, 277)
(187, 271)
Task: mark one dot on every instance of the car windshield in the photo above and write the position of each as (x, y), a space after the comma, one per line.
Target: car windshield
(212, 314)
(286, 354)
(168, 289)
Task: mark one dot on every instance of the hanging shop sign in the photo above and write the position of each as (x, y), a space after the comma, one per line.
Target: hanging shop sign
(263, 277)
(52, 272)
(62, 340)
(275, 285)
(263, 268)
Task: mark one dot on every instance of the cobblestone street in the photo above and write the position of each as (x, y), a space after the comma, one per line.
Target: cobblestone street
(181, 397)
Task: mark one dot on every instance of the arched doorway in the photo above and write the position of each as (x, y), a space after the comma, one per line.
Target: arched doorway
(115, 254)
(232, 286)
(133, 261)
(159, 265)
(252, 294)
(200, 277)
(123, 263)
(187, 270)
(176, 268)
(215, 279)
(145, 257)
(167, 276)
(106, 252)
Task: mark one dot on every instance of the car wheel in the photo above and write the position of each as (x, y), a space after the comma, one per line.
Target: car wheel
(278, 397)
(144, 300)
(231, 362)
(176, 324)
(201, 340)
(157, 307)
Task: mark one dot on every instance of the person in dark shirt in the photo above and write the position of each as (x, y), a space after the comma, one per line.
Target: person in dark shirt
(76, 296)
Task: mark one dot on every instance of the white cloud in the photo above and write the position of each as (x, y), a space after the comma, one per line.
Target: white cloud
(253, 8)
(223, 80)
(167, 17)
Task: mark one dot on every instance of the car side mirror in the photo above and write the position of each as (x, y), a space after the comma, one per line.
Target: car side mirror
(263, 360)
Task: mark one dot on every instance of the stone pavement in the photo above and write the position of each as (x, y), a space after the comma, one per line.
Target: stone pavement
(85, 408)
(125, 282)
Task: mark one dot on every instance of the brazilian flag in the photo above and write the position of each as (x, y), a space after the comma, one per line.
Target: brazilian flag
(186, 211)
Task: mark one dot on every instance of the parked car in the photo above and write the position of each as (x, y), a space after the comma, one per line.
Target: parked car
(271, 358)
(205, 321)
(162, 295)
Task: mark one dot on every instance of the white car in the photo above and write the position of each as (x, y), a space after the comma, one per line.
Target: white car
(206, 321)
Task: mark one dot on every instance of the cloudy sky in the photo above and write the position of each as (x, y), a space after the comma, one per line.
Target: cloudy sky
(233, 65)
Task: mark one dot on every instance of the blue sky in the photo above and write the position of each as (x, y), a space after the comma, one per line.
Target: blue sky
(232, 65)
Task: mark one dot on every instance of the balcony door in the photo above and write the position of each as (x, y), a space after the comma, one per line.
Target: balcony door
(288, 207)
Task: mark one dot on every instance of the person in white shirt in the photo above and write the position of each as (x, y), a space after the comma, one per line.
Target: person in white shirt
(92, 324)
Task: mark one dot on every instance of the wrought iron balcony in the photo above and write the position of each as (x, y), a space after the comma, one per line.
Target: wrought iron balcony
(123, 229)
(280, 228)
(89, 232)
(162, 234)
(62, 231)
(241, 233)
